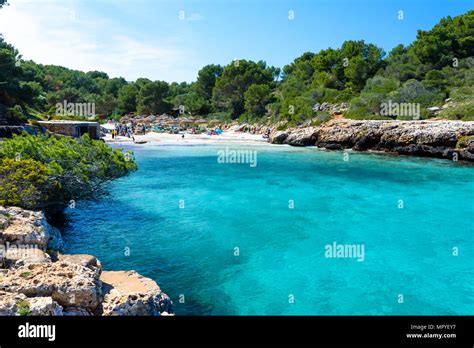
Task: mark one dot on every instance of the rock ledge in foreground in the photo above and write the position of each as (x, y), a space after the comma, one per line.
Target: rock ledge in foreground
(34, 283)
(129, 293)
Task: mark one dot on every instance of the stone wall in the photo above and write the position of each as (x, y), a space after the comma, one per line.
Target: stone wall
(73, 129)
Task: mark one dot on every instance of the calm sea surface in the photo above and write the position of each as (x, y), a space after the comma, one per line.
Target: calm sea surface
(232, 239)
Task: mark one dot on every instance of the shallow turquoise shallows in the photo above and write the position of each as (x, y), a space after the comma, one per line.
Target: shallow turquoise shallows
(231, 239)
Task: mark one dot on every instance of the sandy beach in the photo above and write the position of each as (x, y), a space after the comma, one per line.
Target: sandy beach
(154, 138)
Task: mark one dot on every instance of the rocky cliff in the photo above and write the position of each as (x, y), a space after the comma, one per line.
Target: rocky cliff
(37, 281)
(453, 140)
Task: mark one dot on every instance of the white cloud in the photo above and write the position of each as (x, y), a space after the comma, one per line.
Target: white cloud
(54, 32)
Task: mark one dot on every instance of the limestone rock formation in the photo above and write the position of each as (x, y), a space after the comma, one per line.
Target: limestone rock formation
(68, 284)
(34, 283)
(44, 306)
(18, 257)
(10, 303)
(441, 139)
(129, 293)
(76, 312)
(84, 260)
(25, 227)
(15, 304)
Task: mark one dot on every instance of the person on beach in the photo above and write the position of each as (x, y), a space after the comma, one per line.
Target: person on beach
(267, 134)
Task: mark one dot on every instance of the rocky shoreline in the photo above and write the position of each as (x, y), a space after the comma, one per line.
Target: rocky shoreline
(35, 279)
(453, 140)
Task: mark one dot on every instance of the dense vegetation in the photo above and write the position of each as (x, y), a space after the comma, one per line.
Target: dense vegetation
(438, 65)
(51, 172)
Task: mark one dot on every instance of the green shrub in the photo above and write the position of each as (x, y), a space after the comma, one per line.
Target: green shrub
(243, 118)
(463, 141)
(22, 182)
(223, 116)
(47, 171)
(320, 118)
(23, 307)
(17, 114)
(363, 113)
(464, 112)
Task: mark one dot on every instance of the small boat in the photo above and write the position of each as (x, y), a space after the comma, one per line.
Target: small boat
(140, 142)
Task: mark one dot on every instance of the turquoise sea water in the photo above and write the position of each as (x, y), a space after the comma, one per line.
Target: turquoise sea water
(281, 268)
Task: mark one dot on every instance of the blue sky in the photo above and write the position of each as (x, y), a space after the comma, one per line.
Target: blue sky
(172, 39)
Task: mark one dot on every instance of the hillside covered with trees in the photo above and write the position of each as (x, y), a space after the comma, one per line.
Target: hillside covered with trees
(438, 65)
(50, 172)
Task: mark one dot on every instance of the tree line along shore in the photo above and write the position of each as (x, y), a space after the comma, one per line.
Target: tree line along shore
(435, 70)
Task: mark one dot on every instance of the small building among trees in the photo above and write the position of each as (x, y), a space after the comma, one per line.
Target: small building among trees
(74, 129)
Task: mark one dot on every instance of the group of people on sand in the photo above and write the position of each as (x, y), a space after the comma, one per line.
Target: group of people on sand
(216, 131)
(128, 130)
(123, 130)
